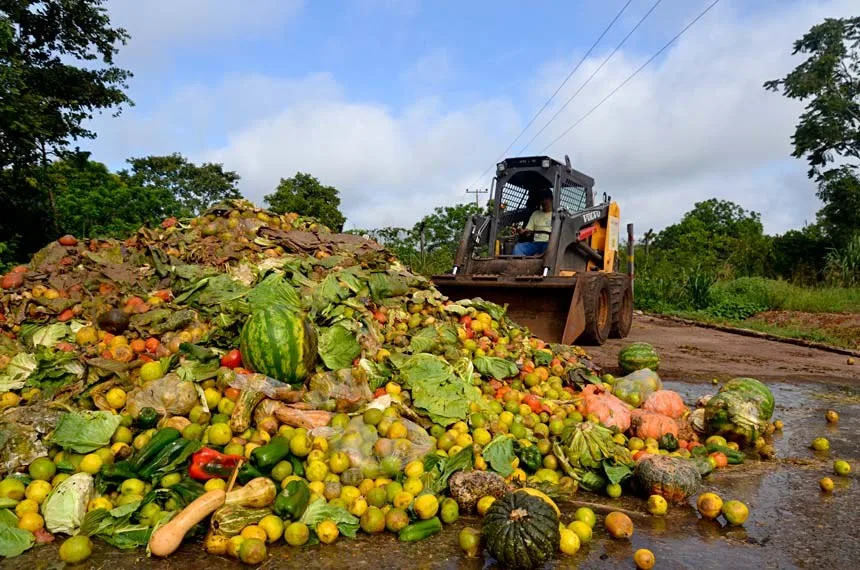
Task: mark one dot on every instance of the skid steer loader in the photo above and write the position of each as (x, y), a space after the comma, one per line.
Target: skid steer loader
(572, 293)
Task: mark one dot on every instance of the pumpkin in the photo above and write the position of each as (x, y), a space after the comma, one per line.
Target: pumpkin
(279, 343)
(611, 411)
(645, 424)
(740, 410)
(666, 402)
(637, 356)
(521, 531)
(673, 478)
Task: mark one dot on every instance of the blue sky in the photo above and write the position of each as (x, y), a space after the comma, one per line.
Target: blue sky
(401, 104)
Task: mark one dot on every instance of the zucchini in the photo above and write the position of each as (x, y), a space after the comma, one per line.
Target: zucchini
(149, 451)
(420, 530)
(119, 471)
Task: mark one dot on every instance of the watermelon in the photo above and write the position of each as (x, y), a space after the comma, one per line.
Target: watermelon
(279, 343)
(638, 356)
(740, 410)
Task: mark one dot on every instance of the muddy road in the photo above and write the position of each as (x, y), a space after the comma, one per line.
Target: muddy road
(791, 525)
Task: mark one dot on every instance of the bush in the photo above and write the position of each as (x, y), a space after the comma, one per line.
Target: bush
(749, 292)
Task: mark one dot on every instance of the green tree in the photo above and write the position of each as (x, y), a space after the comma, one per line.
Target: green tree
(828, 132)
(194, 188)
(94, 202)
(305, 195)
(56, 72)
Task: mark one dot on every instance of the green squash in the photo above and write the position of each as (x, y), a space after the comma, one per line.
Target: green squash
(673, 478)
(638, 356)
(740, 410)
(521, 531)
(279, 343)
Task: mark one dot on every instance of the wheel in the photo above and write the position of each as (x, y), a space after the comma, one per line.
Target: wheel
(622, 305)
(598, 308)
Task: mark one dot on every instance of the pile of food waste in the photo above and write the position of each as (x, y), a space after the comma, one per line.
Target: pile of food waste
(243, 378)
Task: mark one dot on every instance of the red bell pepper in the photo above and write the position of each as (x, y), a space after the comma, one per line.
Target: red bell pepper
(209, 464)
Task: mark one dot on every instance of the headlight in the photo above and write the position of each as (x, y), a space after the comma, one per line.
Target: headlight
(500, 167)
(545, 163)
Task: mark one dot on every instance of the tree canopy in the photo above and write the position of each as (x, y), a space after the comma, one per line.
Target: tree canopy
(305, 195)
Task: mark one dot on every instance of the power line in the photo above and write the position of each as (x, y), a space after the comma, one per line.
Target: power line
(590, 77)
(632, 75)
(563, 83)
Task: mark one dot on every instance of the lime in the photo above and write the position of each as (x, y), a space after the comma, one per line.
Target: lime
(12, 489)
(657, 505)
(76, 549)
(273, 526)
(372, 416)
(282, 470)
(841, 467)
(327, 531)
(585, 515)
(373, 520)
(42, 469)
(252, 551)
(470, 541)
(116, 398)
(613, 490)
(820, 444)
(377, 497)
(219, 434)
(426, 506)
(735, 512)
(582, 530)
(151, 371)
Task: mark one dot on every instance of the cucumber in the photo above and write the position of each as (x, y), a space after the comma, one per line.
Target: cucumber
(734, 456)
(420, 530)
(158, 442)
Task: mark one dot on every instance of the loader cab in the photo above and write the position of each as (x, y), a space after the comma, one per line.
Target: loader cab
(518, 187)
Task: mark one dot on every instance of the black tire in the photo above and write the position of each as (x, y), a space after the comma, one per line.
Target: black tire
(622, 306)
(596, 301)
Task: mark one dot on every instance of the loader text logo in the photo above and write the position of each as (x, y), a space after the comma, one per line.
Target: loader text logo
(590, 216)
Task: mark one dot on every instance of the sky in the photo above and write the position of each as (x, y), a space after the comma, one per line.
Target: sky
(403, 105)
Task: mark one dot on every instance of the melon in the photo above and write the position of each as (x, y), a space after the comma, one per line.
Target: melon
(638, 356)
(279, 343)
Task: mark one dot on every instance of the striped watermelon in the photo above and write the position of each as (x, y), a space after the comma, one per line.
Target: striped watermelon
(637, 356)
(279, 343)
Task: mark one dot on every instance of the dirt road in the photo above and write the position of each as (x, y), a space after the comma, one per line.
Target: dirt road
(691, 354)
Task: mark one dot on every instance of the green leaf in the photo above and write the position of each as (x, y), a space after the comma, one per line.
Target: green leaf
(7, 503)
(338, 347)
(17, 371)
(499, 454)
(318, 511)
(8, 518)
(424, 340)
(273, 290)
(384, 285)
(50, 335)
(85, 431)
(437, 389)
(14, 541)
(542, 357)
(617, 473)
(498, 368)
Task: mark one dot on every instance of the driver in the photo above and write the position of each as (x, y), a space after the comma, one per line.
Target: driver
(539, 225)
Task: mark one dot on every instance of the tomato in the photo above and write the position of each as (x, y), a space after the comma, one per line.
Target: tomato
(466, 321)
(379, 392)
(240, 370)
(380, 317)
(168, 223)
(534, 403)
(232, 359)
(66, 315)
(500, 393)
(163, 294)
(152, 344)
(683, 444)
(232, 393)
(720, 459)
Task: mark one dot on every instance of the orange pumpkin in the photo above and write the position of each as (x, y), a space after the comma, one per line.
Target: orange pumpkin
(610, 410)
(666, 402)
(645, 424)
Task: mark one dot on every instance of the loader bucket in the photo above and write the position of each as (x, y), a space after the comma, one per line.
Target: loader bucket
(551, 307)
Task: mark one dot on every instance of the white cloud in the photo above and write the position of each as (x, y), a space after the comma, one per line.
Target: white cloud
(694, 125)
(432, 69)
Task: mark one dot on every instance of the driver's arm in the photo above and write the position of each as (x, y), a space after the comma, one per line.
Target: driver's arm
(530, 226)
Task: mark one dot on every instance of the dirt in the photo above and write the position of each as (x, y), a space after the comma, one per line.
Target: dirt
(695, 354)
(837, 325)
(792, 523)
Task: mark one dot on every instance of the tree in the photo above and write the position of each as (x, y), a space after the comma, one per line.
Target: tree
(829, 128)
(195, 188)
(305, 195)
(56, 71)
(94, 202)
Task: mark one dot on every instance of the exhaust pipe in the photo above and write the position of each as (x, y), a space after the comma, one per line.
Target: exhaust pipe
(630, 266)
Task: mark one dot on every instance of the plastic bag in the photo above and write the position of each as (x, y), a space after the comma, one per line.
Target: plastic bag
(740, 410)
(169, 395)
(637, 386)
(340, 391)
(274, 389)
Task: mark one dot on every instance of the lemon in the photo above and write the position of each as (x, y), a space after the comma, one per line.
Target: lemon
(99, 503)
(37, 490)
(582, 530)
(585, 515)
(213, 484)
(826, 484)
(426, 506)
(91, 463)
(657, 505)
(116, 398)
(570, 542)
(327, 531)
(709, 505)
(132, 487)
(735, 512)
(42, 468)
(841, 467)
(297, 534)
(484, 504)
(26, 506)
(151, 371)
(273, 526)
(220, 434)
(413, 485)
(358, 506)
(31, 522)
(76, 549)
(820, 444)
(254, 531)
(414, 469)
(644, 559)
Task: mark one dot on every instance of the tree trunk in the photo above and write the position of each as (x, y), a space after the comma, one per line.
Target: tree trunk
(56, 216)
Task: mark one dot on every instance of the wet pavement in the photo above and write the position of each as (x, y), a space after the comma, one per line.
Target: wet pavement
(792, 523)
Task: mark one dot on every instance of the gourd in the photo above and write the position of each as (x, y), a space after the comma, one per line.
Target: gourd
(674, 478)
(229, 520)
(279, 343)
(521, 531)
(167, 538)
(645, 424)
(637, 356)
(258, 492)
(666, 402)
